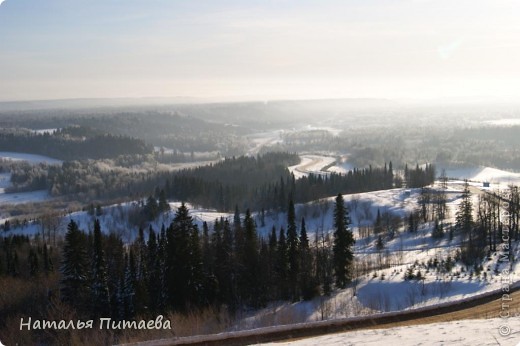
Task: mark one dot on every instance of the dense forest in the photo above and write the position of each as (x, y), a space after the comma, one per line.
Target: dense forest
(72, 143)
(263, 183)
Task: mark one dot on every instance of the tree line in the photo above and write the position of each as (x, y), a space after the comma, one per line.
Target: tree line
(181, 268)
(264, 183)
(72, 143)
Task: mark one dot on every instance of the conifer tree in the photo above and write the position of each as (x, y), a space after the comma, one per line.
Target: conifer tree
(74, 267)
(33, 262)
(250, 262)
(343, 242)
(292, 252)
(153, 268)
(184, 263)
(100, 302)
(163, 202)
(282, 265)
(305, 258)
(128, 287)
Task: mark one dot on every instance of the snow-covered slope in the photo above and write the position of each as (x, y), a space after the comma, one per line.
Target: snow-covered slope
(460, 333)
(484, 174)
(380, 284)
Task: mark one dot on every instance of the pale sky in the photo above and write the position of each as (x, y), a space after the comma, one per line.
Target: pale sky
(54, 49)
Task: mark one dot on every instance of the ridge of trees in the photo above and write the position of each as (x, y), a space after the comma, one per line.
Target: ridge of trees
(72, 143)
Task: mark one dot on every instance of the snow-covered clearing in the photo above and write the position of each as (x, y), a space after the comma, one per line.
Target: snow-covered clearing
(31, 158)
(466, 332)
(5, 179)
(484, 174)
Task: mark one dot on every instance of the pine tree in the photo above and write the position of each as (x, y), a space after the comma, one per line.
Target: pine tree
(292, 252)
(141, 273)
(250, 262)
(282, 266)
(33, 262)
(151, 209)
(100, 302)
(183, 262)
(153, 267)
(273, 256)
(163, 202)
(128, 287)
(464, 223)
(306, 281)
(74, 267)
(162, 266)
(343, 242)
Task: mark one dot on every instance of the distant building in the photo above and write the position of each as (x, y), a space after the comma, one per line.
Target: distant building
(485, 184)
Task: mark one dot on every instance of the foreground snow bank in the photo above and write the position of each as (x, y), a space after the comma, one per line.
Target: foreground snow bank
(468, 332)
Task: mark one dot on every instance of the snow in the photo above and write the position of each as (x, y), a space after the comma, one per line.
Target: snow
(379, 290)
(484, 174)
(5, 179)
(504, 122)
(23, 197)
(43, 131)
(342, 167)
(311, 164)
(466, 332)
(31, 158)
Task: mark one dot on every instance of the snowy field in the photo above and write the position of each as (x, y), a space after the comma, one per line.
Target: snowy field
(460, 333)
(31, 158)
(5, 179)
(485, 174)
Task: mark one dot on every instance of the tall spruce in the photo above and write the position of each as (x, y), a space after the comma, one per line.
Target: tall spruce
(250, 262)
(292, 252)
(100, 298)
(343, 243)
(282, 265)
(184, 264)
(305, 264)
(153, 268)
(74, 268)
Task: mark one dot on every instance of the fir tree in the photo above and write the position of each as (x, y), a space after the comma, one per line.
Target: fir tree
(33, 262)
(292, 252)
(183, 261)
(153, 268)
(282, 265)
(163, 202)
(100, 302)
(343, 242)
(305, 276)
(74, 267)
(128, 287)
(250, 262)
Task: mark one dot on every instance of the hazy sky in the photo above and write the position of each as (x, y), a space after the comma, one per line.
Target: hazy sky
(53, 49)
